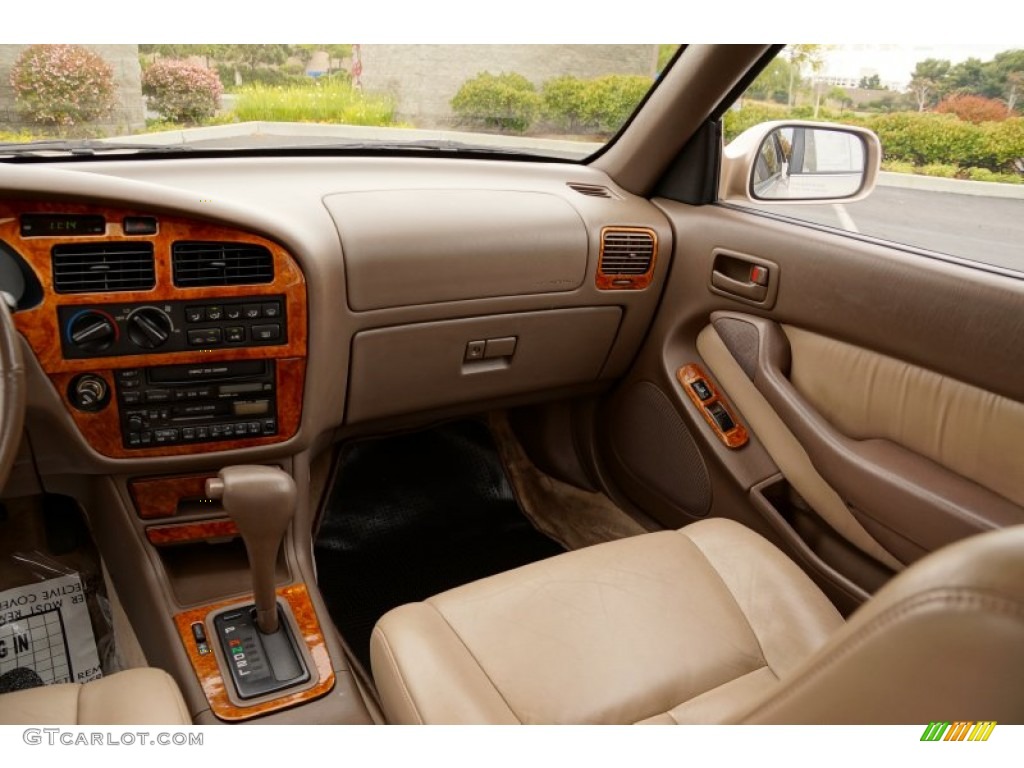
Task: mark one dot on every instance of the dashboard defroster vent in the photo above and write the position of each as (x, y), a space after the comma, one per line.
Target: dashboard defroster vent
(102, 267)
(209, 264)
(627, 258)
(590, 190)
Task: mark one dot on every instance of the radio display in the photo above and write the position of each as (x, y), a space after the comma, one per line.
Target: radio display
(61, 225)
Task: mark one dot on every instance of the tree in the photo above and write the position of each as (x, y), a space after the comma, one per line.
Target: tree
(970, 76)
(252, 56)
(839, 96)
(773, 83)
(924, 91)
(800, 57)
(1007, 74)
(873, 83)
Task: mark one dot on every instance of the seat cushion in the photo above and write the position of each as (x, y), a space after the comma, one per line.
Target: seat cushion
(677, 626)
(134, 697)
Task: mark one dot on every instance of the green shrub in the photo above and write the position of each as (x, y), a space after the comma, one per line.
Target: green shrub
(752, 113)
(941, 170)
(563, 103)
(62, 85)
(1003, 143)
(898, 166)
(610, 100)
(984, 174)
(505, 102)
(324, 102)
(182, 92)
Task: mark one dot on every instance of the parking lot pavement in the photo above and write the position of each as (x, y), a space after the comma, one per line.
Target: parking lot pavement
(986, 229)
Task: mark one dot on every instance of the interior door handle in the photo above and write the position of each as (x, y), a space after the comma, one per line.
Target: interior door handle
(746, 289)
(749, 279)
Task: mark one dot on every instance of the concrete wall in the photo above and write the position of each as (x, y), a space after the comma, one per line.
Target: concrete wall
(127, 116)
(424, 78)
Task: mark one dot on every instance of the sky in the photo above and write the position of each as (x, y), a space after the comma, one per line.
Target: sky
(893, 63)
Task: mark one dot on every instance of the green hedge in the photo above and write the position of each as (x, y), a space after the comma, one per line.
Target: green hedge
(597, 106)
(509, 102)
(918, 138)
(506, 102)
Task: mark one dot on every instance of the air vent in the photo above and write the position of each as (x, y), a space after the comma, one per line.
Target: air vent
(591, 190)
(627, 258)
(203, 264)
(102, 267)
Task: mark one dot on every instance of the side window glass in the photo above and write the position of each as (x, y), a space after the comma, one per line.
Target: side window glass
(952, 132)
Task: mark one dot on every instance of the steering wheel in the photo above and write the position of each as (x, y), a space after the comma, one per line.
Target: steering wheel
(12, 389)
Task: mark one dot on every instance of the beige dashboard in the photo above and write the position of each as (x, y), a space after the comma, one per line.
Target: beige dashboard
(406, 289)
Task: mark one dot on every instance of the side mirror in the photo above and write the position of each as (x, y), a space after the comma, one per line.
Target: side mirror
(800, 162)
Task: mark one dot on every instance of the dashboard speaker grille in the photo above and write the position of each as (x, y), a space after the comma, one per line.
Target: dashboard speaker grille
(205, 264)
(102, 267)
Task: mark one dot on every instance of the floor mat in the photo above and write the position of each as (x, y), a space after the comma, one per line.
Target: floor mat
(412, 515)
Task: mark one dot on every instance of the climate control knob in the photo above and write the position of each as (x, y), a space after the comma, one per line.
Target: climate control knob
(92, 331)
(89, 392)
(149, 327)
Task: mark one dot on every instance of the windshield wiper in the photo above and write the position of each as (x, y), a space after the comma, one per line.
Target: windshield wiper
(82, 147)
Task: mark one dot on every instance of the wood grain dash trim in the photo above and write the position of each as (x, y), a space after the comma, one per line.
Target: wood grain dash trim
(213, 681)
(189, 533)
(606, 282)
(157, 497)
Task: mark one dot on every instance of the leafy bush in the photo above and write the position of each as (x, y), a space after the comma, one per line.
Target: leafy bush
(600, 105)
(610, 100)
(941, 170)
(182, 92)
(563, 103)
(973, 109)
(324, 102)
(736, 121)
(984, 174)
(62, 85)
(505, 102)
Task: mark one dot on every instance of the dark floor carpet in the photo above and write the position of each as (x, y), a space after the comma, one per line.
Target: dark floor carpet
(412, 515)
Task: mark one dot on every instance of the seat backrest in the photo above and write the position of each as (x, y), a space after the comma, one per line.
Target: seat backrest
(943, 641)
(145, 696)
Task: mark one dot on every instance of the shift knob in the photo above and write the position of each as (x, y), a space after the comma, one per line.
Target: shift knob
(261, 501)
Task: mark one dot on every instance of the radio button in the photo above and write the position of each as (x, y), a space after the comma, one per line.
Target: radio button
(165, 435)
(202, 433)
(188, 433)
(131, 398)
(254, 427)
(270, 426)
(204, 337)
(158, 395)
(266, 332)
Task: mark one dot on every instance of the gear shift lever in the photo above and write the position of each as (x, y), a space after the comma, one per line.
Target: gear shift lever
(261, 501)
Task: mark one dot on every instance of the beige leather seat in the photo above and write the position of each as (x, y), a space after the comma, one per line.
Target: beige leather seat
(133, 697)
(711, 624)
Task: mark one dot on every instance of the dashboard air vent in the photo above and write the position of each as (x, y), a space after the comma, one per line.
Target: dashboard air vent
(591, 190)
(102, 267)
(204, 264)
(627, 258)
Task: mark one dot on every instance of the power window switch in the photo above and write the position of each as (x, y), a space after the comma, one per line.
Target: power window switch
(475, 350)
(701, 388)
(722, 417)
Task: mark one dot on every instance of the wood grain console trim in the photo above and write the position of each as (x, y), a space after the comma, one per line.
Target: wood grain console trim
(102, 429)
(157, 497)
(190, 533)
(212, 680)
(737, 436)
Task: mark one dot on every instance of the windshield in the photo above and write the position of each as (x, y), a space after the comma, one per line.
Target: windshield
(563, 101)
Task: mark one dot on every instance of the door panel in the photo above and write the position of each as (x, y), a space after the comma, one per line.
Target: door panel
(883, 390)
